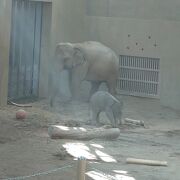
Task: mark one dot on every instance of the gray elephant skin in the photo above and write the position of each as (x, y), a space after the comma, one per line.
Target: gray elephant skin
(90, 61)
(102, 101)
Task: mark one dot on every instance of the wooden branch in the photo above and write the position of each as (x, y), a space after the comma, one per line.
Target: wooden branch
(19, 105)
(146, 162)
(136, 122)
(81, 168)
(80, 133)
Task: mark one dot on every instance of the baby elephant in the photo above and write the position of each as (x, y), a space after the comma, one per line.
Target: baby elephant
(104, 101)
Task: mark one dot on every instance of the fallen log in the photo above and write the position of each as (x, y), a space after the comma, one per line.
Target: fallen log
(146, 162)
(81, 133)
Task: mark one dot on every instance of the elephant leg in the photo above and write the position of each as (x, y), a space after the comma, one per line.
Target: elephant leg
(53, 96)
(52, 89)
(111, 117)
(95, 117)
(78, 74)
(76, 82)
(118, 118)
(112, 86)
(94, 88)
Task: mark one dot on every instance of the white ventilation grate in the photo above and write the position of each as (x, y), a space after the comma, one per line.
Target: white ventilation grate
(139, 76)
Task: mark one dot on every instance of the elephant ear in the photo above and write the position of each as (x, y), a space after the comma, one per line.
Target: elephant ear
(79, 58)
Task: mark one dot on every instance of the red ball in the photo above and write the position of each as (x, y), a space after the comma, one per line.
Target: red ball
(21, 114)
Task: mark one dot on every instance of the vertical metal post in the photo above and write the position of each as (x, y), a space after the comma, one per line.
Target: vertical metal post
(81, 168)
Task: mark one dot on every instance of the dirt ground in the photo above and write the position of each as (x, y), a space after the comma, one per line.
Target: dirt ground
(26, 150)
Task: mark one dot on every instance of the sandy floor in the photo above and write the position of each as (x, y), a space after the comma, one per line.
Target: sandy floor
(26, 149)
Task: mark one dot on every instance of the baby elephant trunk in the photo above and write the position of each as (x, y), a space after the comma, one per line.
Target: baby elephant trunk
(117, 111)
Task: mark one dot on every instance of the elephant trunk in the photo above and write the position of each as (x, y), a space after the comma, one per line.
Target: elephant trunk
(57, 64)
(61, 67)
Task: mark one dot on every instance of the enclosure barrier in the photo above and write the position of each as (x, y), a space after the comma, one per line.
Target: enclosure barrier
(139, 76)
(81, 168)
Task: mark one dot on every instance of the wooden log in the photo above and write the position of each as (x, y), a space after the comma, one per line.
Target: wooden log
(81, 133)
(136, 122)
(81, 168)
(146, 162)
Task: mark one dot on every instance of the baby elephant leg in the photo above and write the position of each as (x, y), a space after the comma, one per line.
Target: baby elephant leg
(121, 122)
(117, 111)
(94, 117)
(111, 117)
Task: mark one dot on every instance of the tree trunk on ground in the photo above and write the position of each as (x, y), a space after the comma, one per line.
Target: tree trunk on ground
(81, 133)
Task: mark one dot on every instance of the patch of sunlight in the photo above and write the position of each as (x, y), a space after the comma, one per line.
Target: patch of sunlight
(82, 129)
(120, 171)
(79, 149)
(93, 162)
(79, 145)
(65, 128)
(102, 176)
(97, 146)
(105, 157)
(98, 176)
(75, 128)
(124, 177)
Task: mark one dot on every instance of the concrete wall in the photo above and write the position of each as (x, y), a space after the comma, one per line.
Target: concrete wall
(170, 55)
(62, 21)
(67, 21)
(127, 26)
(5, 26)
(143, 28)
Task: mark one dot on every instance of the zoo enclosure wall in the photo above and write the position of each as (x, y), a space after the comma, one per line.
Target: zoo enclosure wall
(149, 29)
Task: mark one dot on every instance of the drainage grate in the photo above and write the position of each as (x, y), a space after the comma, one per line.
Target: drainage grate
(139, 76)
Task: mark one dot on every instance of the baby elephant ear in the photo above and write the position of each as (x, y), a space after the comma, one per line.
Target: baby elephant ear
(78, 57)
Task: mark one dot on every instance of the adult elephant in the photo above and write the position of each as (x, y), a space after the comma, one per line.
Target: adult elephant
(91, 61)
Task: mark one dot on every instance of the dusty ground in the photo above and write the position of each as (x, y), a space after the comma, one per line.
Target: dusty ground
(25, 148)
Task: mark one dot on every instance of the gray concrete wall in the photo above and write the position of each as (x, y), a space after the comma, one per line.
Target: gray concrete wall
(5, 26)
(64, 23)
(118, 24)
(67, 21)
(139, 9)
(121, 24)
